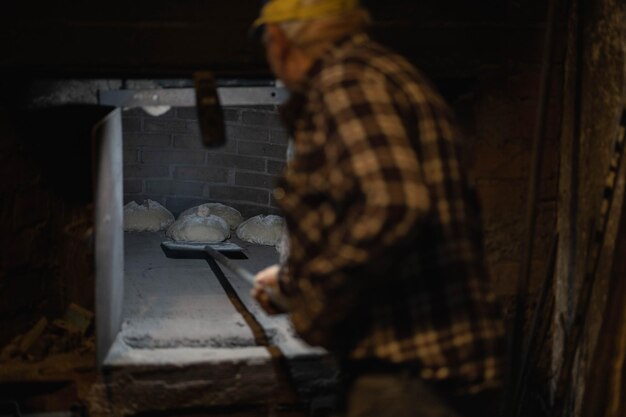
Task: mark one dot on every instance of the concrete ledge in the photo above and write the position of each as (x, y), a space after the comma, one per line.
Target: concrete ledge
(145, 381)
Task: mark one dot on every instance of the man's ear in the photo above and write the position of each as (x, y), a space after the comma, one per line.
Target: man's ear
(279, 39)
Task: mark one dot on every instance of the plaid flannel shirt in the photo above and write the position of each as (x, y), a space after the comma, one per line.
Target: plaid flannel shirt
(386, 258)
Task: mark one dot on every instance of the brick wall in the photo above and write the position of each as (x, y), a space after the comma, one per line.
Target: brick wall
(164, 159)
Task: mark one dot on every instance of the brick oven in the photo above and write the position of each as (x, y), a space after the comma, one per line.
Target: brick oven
(185, 320)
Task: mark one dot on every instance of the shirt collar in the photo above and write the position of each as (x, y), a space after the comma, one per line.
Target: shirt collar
(333, 50)
(290, 110)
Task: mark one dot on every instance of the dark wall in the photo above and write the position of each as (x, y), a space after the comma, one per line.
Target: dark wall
(154, 38)
(46, 224)
(165, 161)
(148, 37)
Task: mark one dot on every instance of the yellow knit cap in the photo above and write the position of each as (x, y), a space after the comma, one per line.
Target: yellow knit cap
(276, 11)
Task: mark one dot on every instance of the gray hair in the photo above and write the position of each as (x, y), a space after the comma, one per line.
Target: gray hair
(313, 36)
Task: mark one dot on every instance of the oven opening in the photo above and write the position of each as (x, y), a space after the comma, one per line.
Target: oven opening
(188, 307)
(184, 307)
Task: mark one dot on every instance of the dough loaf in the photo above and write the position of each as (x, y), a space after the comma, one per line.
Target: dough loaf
(148, 216)
(264, 230)
(195, 228)
(229, 214)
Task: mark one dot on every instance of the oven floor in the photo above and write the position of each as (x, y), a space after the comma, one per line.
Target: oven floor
(176, 302)
(171, 305)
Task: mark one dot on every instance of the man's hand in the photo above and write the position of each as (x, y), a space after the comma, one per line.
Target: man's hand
(267, 281)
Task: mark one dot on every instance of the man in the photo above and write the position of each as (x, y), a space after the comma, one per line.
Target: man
(385, 267)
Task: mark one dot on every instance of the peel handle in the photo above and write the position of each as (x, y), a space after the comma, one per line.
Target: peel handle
(276, 298)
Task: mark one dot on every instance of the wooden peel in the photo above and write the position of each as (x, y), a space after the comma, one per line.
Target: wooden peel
(215, 252)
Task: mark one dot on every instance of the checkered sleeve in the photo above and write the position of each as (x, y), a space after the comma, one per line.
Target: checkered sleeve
(369, 160)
